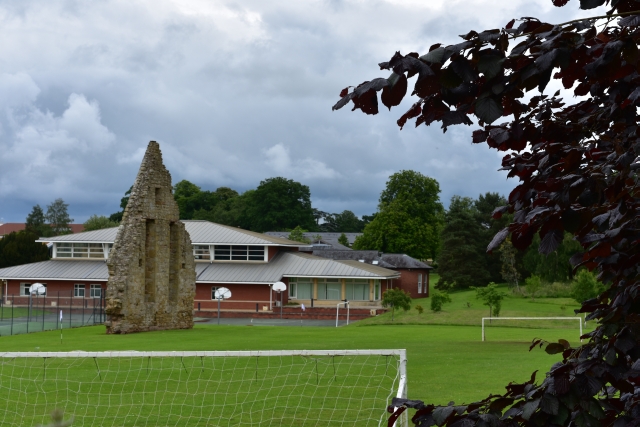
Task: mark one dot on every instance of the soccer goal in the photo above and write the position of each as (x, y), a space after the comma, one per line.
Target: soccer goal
(202, 388)
(574, 319)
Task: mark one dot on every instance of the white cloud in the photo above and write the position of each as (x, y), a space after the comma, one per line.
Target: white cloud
(279, 160)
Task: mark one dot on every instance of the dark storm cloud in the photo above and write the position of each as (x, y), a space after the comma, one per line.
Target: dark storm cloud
(234, 92)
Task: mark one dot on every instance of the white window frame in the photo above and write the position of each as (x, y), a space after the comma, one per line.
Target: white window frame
(24, 289)
(419, 283)
(82, 250)
(213, 291)
(77, 287)
(238, 249)
(93, 288)
(293, 288)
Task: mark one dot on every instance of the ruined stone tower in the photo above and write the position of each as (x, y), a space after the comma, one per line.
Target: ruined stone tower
(151, 266)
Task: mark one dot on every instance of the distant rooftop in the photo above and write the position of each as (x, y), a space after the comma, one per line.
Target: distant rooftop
(10, 227)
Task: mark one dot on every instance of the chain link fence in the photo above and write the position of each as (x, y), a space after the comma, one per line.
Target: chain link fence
(21, 314)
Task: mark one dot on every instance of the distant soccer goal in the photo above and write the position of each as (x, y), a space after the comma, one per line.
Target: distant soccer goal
(212, 388)
(492, 319)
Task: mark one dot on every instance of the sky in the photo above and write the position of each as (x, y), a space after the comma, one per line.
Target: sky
(235, 92)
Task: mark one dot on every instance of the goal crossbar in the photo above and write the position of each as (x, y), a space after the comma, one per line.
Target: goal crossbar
(301, 388)
(579, 319)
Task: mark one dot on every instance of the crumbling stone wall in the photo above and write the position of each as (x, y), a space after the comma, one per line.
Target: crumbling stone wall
(151, 266)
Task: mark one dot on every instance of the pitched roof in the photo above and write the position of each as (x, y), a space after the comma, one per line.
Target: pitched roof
(370, 257)
(287, 264)
(201, 232)
(326, 237)
(58, 270)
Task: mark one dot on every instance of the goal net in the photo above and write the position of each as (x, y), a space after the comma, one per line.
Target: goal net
(233, 388)
(532, 322)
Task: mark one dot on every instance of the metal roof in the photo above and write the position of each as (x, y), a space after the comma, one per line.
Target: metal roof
(384, 260)
(58, 270)
(201, 233)
(327, 237)
(289, 264)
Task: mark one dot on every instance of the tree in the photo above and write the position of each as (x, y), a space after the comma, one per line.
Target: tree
(533, 284)
(229, 209)
(35, 222)
(297, 235)
(555, 266)
(344, 222)
(396, 298)
(22, 248)
(124, 201)
(509, 271)
(343, 240)
(58, 217)
(280, 204)
(575, 160)
(484, 206)
(438, 299)
(461, 259)
(586, 286)
(96, 222)
(490, 297)
(408, 218)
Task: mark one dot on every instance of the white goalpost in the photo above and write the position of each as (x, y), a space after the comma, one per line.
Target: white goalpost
(202, 388)
(578, 318)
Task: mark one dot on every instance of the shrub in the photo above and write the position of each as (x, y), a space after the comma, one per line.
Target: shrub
(419, 308)
(438, 299)
(533, 284)
(586, 286)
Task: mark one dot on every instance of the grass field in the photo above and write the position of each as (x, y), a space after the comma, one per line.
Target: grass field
(446, 358)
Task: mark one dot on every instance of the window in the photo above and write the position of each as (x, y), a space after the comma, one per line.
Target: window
(419, 283)
(329, 289)
(357, 289)
(300, 288)
(78, 290)
(376, 289)
(82, 250)
(213, 292)
(201, 252)
(24, 289)
(238, 253)
(95, 291)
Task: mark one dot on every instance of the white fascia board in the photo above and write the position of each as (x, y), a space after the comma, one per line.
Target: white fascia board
(341, 277)
(232, 283)
(74, 241)
(57, 278)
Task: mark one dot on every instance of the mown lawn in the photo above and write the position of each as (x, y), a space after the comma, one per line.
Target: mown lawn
(444, 362)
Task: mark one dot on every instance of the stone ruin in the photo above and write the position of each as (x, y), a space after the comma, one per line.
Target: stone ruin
(151, 266)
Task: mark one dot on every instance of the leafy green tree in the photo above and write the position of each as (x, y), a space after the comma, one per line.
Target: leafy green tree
(438, 299)
(510, 271)
(533, 285)
(396, 298)
(229, 209)
(58, 217)
(490, 297)
(345, 222)
(408, 218)
(586, 286)
(98, 222)
(343, 240)
(395, 230)
(280, 204)
(297, 235)
(22, 248)
(461, 259)
(124, 201)
(36, 222)
(555, 266)
(485, 205)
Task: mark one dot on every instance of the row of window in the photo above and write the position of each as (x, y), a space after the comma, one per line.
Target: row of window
(331, 289)
(229, 252)
(79, 289)
(82, 250)
(200, 252)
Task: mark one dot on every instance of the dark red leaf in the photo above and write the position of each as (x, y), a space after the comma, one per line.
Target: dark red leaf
(498, 239)
(393, 94)
(559, 3)
(554, 348)
(344, 92)
(510, 24)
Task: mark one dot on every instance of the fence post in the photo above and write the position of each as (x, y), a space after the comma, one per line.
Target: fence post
(44, 303)
(70, 304)
(58, 308)
(13, 303)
